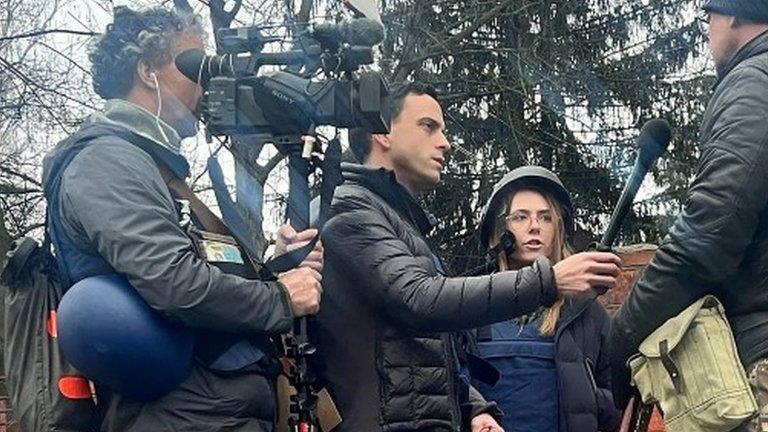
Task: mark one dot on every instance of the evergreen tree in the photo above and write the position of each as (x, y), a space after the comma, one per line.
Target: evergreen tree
(565, 85)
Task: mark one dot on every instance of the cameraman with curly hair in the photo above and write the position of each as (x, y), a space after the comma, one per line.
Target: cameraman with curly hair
(112, 212)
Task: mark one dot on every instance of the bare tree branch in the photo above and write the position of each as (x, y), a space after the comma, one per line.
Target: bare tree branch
(305, 11)
(267, 168)
(10, 189)
(34, 85)
(220, 17)
(20, 175)
(45, 32)
(5, 238)
(182, 5)
(67, 58)
(30, 228)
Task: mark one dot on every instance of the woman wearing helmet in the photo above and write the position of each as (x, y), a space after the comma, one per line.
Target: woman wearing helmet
(553, 362)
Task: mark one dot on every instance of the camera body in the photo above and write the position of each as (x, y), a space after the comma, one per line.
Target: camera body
(291, 101)
(283, 103)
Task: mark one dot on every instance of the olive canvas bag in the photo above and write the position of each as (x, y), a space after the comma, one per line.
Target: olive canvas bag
(690, 367)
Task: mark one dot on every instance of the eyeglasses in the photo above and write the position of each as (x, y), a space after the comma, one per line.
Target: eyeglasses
(523, 220)
(702, 20)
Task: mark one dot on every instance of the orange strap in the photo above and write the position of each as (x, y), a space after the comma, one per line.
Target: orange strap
(75, 387)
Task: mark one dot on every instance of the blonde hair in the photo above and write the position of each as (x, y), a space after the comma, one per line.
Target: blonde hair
(560, 250)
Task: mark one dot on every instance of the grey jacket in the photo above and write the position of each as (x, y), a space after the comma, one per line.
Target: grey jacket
(388, 307)
(115, 205)
(719, 243)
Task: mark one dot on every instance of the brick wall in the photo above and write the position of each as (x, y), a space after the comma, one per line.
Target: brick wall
(634, 259)
(5, 421)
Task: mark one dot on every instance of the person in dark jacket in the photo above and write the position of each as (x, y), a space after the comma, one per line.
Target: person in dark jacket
(114, 213)
(383, 337)
(555, 372)
(719, 242)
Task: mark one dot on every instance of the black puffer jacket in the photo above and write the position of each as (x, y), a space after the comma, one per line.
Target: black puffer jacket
(719, 243)
(586, 402)
(389, 363)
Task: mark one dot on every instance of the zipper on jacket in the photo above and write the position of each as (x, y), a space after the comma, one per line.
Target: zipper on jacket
(451, 363)
(589, 366)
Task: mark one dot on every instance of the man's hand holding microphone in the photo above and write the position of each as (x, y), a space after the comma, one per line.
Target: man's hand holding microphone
(586, 273)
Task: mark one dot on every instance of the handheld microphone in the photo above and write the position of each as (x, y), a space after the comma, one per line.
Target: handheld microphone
(652, 142)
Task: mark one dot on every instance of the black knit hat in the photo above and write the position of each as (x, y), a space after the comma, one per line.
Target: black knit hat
(753, 10)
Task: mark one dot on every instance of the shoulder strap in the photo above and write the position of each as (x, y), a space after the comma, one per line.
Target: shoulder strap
(181, 190)
(268, 270)
(51, 192)
(332, 177)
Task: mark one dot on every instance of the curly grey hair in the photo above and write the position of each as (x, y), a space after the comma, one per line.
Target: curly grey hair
(136, 35)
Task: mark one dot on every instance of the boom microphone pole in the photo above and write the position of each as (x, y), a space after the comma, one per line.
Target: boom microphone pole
(652, 142)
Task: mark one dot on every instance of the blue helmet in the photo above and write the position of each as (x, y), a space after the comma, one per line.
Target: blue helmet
(111, 335)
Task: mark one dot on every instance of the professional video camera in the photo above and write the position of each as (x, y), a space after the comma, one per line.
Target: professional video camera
(291, 101)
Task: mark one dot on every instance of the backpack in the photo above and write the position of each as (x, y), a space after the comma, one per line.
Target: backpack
(46, 392)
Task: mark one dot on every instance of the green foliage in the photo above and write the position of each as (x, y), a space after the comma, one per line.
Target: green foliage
(561, 84)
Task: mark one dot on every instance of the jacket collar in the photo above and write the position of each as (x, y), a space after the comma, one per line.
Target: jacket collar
(756, 46)
(119, 112)
(572, 309)
(138, 126)
(383, 183)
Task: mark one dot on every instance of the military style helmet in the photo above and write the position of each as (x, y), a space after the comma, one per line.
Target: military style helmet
(110, 334)
(521, 178)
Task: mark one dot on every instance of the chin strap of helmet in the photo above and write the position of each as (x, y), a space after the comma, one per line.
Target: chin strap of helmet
(506, 245)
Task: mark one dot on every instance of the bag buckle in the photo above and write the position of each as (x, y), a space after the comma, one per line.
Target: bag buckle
(185, 212)
(670, 366)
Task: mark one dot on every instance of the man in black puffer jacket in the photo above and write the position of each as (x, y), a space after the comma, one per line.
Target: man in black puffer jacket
(382, 334)
(719, 243)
